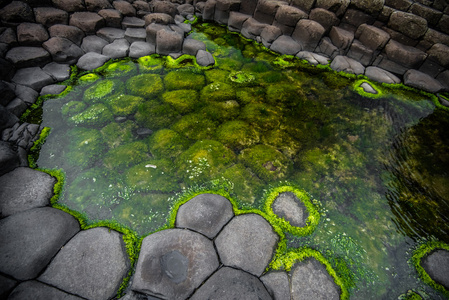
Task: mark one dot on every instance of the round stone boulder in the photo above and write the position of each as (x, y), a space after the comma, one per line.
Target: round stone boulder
(436, 264)
(247, 243)
(173, 263)
(205, 213)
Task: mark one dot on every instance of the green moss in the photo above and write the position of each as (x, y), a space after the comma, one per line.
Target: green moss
(244, 183)
(72, 108)
(237, 135)
(88, 78)
(229, 63)
(216, 75)
(183, 101)
(335, 81)
(152, 175)
(359, 89)
(284, 94)
(85, 147)
(419, 254)
(261, 115)
(166, 143)
(101, 90)
(115, 134)
(257, 67)
(95, 115)
(282, 141)
(195, 126)
(266, 162)
(119, 69)
(184, 80)
(151, 64)
(218, 91)
(184, 61)
(154, 115)
(125, 156)
(145, 85)
(270, 77)
(33, 154)
(241, 78)
(250, 95)
(410, 295)
(123, 105)
(222, 111)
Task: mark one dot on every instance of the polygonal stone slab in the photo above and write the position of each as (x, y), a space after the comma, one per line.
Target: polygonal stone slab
(6, 286)
(31, 34)
(286, 45)
(277, 284)
(59, 72)
(37, 290)
(63, 50)
(117, 49)
(92, 265)
(93, 43)
(111, 34)
(204, 58)
(71, 33)
(140, 49)
(9, 158)
(23, 189)
(228, 283)
(436, 265)
(422, 81)
(28, 56)
(88, 22)
(247, 243)
(49, 16)
(31, 238)
(348, 65)
(91, 60)
(205, 213)
(173, 263)
(380, 75)
(33, 77)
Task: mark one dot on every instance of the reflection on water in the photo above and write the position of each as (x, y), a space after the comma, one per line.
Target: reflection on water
(377, 166)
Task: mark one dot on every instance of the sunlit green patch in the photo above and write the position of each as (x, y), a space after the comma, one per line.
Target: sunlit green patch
(237, 135)
(266, 162)
(152, 175)
(72, 108)
(184, 80)
(183, 101)
(119, 69)
(195, 126)
(241, 78)
(33, 154)
(101, 90)
(166, 143)
(123, 105)
(184, 61)
(217, 91)
(245, 184)
(261, 115)
(216, 75)
(154, 115)
(88, 78)
(115, 134)
(248, 95)
(222, 111)
(410, 295)
(85, 147)
(145, 85)
(357, 86)
(125, 156)
(151, 64)
(95, 115)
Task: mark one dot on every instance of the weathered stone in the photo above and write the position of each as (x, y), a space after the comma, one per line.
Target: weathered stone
(111, 34)
(32, 77)
(112, 17)
(346, 64)
(236, 21)
(277, 284)
(291, 209)
(89, 22)
(223, 8)
(228, 283)
(91, 60)
(313, 58)
(308, 33)
(7, 93)
(63, 50)
(204, 58)
(372, 37)
(328, 48)
(444, 24)
(186, 9)
(384, 63)
(16, 12)
(422, 81)
(92, 264)
(132, 22)
(93, 43)
(158, 18)
(71, 33)
(443, 78)
(409, 24)
(434, 37)
(252, 28)
(385, 14)
(399, 37)
(168, 42)
(369, 6)
(326, 18)
(289, 15)
(135, 35)
(117, 49)
(407, 56)
(164, 7)
(439, 53)
(403, 5)
(6, 286)
(141, 5)
(53, 89)
(431, 67)
(28, 56)
(356, 18)
(7, 69)
(248, 6)
(209, 10)
(341, 38)
(37, 290)
(17, 107)
(247, 243)
(266, 10)
(173, 263)
(69, 5)
(380, 75)
(191, 46)
(285, 45)
(152, 31)
(305, 5)
(368, 88)
(125, 8)
(34, 237)
(59, 72)
(8, 37)
(360, 53)
(97, 5)
(31, 34)
(140, 49)
(310, 280)
(336, 6)
(9, 158)
(431, 15)
(269, 34)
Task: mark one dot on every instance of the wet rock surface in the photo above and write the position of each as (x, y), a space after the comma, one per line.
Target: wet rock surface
(436, 264)
(289, 207)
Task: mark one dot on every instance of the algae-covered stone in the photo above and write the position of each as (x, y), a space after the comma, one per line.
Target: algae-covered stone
(195, 126)
(125, 156)
(257, 67)
(72, 108)
(245, 184)
(266, 162)
(152, 175)
(218, 91)
(120, 69)
(183, 101)
(248, 95)
(237, 135)
(222, 111)
(101, 90)
(154, 115)
(241, 78)
(282, 141)
(95, 115)
(229, 63)
(85, 147)
(145, 85)
(151, 64)
(184, 80)
(88, 78)
(166, 143)
(267, 78)
(115, 134)
(203, 161)
(123, 105)
(287, 94)
(217, 75)
(261, 115)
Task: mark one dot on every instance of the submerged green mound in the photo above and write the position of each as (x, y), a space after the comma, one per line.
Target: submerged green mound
(101, 90)
(154, 115)
(183, 101)
(145, 85)
(166, 143)
(95, 115)
(237, 135)
(85, 147)
(184, 80)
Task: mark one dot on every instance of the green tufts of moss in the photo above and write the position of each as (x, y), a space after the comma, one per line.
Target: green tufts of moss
(101, 90)
(216, 75)
(120, 69)
(125, 156)
(237, 135)
(222, 111)
(184, 80)
(241, 78)
(195, 126)
(154, 115)
(166, 143)
(218, 91)
(285, 94)
(145, 85)
(86, 146)
(151, 64)
(72, 108)
(33, 154)
(261, 115)
(282, 141)
(357, 86)
(88, 78)
(115, 134)
(95, 115)
(183, 101)
(123, 105)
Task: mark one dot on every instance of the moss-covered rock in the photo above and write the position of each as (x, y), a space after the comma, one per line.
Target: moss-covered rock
(248, 95)
(218, 91)
(222, 111)
(184, 80)
(151, 64)
(145, 85)
(116, 134)
(120, 69)
(72, 108)
(152, 175)
(261, 115)
(283, 94)
(257, 67)
(154, 115)
(266, 162)
(270, 77)
(237, 135)
(166, 143)
(195, 126)
(85, 147)
(183, 101)
(229, 63)
(241, 78)
(203, 161)
(123, 105)
(125, 156)
(101, 90)
(216, 75)
(245, 184)
(95, 115)
(88, 78)
(282, 141)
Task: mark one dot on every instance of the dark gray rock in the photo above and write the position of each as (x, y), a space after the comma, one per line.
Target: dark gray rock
(356, 18)
(336, 6)
(186, 9)
(117, 49)
(443, 78)
(31, 34)
(16, 12)
(125, 8)
(28, 56)
(269, 34)
(8, 36)
(341, 38)
(91, 60)
(409, 24)
(223, 8)
(191, 46)
(34, 237)
(135, 35)
(346, 64)
(444, 24)
(372, 7)
(308, 33)
(205, 213)
(247, 243)
(37, 290)
(248, 7)
(305, 5)
(53, 89)
(33, 77)
(439, 53)
(277, 284)
(7, 93)
(204, 58)
(152, 31)
(9, 158)
(6, 286)
(141, 5)
(385, 14)
(17, 107)
(285, 45)
(89, 22)
(158, 18)
(173, 263)
(422, 81)
(92, 264)
(112, 17)
(431, 15)
(228, 283)
(63, 50)
(384, 63)
(71, 33)
(291, 209)
(409, 57)
(326, 18)
(431, 67)
(209, 10)
(49, 16)
(328, 48)
(168, 42)
(144, 132)
(434, 37)
(93, 43)
(69, 5)
(139, 49)
(236, 20)
(313, 58)
(266, 10)
(380, 75)
(252, 28)
(360, 53)
(403, 5)
(372, 37)
(97, 5)
(165, 7)
(111, 34)
(59, 72)
(132, 22)
(310, 280)
(289, 15)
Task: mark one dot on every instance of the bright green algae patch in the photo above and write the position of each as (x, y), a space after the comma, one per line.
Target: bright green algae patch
(256, 121)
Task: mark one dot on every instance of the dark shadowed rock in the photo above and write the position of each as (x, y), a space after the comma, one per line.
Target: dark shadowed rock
(58, 72)
(356, 18)
(26, 94)
(327, 48)
(28, 56)
(173, 263)
(228, 283)
(139, 49)
(209, 10)
(49, 16)
(6, 286)
(277, 284)
(16, 12)
(8, 37)
(152, 31)
(89, 22)
(112, 17)
(289, 15)
(236, 20)
(269, 34)
(409, 24)
(111, 34)
(380, 75)
(165, 7)
(186, 9)
(92, 264)
(204, 58)
(308, 33)
(422, 81)
(158, 18)
(31, 34)
(443, 78)
(346, 64)
(248, 7)
(33, 77)
(9, 158)
(17, 107)
(431, 15)
(97, 5)
(168, 42)
(191, 46)
(305, 5)
(326, 18)
(117, 49)
(266, 10)
(34, 237)
(223, 8)
(125, 8)
(360, 53)
(132, 22)
(336, 6)
(141, 5)
(369, 6)
(91, 60)
(439, 53)
(372, 37)
(407, 56)
(37, 290)
(63, 50)
(93, 43)
(7, 92)
(71, 33)
(252, 28)
(69, 5)
(285, 45)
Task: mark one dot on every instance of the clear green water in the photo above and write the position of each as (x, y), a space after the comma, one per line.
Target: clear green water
(378, 167)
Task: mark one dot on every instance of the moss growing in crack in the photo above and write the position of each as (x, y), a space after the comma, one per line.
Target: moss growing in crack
(35, 149)
(86, 146)
(123, 105)
(125, 156)
(195, 126)
(151, 64)
(218, 91)
(184, 80)
(184, 61)
(115, 134)
(222, 111)
(237, 135)
(95, 115)
(154, 115)
(72, 108)
(101, 90)
(312, 220)
(119, 69)
(145, 85)
(183, 101)
(166, 143)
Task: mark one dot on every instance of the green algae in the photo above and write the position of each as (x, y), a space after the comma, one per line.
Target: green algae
(222, 111)
(88, 78)
(155, 115)
(86, 146)
(119, 69)
(183, 101)
(145, 85)
(115, 134)
(244, 183)
(101, 90)
(167, 143)
(237, 135)
(95, 115)
(123, 105)
(151, 64)
(184, 80)
(72, 108)
(195, 126)
(217, 91)
(125, 156)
